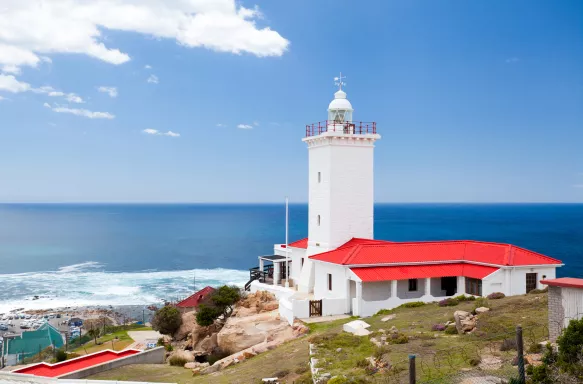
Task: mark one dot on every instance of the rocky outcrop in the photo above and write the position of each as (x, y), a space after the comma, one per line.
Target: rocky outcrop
(258, 302)
(186, 355)
(240, 333)
(207, 345)
(464, 321)
(187, 327)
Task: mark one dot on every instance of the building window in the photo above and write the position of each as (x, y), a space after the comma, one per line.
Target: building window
(530, 282)
(329, 282)
(474, 286)
(319, 177)
(302, 261)
(318, 220)
(412, 285)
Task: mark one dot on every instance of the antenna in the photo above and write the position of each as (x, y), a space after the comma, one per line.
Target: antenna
(338, 81)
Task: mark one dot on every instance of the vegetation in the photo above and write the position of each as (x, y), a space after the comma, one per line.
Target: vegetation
(538, 291)
(94, 333)
(60, 355)
(177, 361)
(413, 304)
(115, 338)
(462, 298)
(167, 320)
(449, 302)
(496, 295)
(222, 301)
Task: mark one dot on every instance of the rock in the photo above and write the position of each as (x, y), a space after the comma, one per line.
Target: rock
(249, 354)
(390, 317)
(196, 371)
(195, 364)
(482, 380)
(534, 359)
(482, 310)
(188, 326)
(394, 330)
(258, 302)
(208, 344)
(266, 307)
(240, 333)
(338, 349)
(468, 325)
(356, 327)
(459, 316)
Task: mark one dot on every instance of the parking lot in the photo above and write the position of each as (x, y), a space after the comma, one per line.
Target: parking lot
(14, 325)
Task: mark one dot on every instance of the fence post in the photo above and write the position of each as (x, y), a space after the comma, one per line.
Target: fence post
(412, 374)
(520, 354)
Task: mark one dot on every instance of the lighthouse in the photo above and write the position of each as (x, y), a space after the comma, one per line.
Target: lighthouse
(340, 180)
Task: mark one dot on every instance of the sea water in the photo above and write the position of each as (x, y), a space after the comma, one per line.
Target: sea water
(115, 254)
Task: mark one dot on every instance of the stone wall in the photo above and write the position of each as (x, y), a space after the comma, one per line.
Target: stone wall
(152, 356)
(556, 313)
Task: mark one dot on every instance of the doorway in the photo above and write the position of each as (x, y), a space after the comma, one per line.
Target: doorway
(530, 282)
(449, 285)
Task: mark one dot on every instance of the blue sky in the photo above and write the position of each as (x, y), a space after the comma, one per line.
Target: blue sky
(476, 101)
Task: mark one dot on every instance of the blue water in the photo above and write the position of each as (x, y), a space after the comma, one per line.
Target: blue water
(93, 253)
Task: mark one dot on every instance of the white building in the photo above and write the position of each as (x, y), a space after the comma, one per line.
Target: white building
(340, 269)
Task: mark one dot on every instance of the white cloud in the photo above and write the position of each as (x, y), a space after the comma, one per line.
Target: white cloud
(152, 79)
(111, 91)
(512, 60)
(56, 94)
(256, 123)
(31, 28)
(10, 84)
(73, 98)
(147, 66)
(245, 126)
(155, 132)
(221, 125)
(3, 98)
(47, 105)
(11, 68)
(84, 113)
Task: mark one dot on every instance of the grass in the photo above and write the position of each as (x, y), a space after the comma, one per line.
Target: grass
(438, 358)
(109, 341)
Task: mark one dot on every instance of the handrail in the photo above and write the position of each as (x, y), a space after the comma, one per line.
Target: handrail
(345, 127)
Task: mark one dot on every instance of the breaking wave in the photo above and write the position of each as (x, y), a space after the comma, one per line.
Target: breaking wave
(84, 285)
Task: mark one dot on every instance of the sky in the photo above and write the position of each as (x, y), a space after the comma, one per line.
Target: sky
(207, 100)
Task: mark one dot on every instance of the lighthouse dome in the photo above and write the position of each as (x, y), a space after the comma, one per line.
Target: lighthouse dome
(340, 102)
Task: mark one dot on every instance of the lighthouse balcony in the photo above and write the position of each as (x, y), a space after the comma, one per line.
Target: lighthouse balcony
(345, 127)
(272, 270)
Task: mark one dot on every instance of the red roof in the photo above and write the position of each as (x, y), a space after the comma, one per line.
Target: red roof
(303, 243)
(68, 366)
(567, 282)
(363, 251)
(423, 271)
(197, 298)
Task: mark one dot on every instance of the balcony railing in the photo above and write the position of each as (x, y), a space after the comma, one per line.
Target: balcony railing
(348, 127)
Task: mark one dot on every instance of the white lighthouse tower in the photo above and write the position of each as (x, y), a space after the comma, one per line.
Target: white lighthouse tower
(341, 193)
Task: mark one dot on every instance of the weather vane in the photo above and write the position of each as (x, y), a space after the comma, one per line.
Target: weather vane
(338, 81)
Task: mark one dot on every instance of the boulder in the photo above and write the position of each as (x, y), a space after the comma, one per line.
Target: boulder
(534, 359)
(258, 302)
(459, 316)
(390, 317)
(186, 355)
(240, 333)
(196, 364)
(468, 325)
(208, 344)
(190, 329)
(482, 310)
(196, 371)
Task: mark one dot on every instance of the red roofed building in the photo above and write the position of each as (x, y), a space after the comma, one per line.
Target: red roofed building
(346, 271)
(193, 301)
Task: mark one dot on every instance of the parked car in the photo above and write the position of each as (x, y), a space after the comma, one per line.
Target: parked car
(58, 315)
(3, 327)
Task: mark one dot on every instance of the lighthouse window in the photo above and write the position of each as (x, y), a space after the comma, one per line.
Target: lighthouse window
(319, 177)
(318, 220)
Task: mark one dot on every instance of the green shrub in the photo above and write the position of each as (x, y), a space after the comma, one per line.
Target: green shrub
(169, 347)
(167, 320)
(338, 380)
(302, 369)
(412, 304)
(160, 342)
(177, 361)
(379, 352)
(496, 295)
(384, 312)
(449, 302)
(362, 363)
(60, 355)
(207, 314)
(461, 298)
(451, 330)
(481, 302)
(571, 347)
(535, 348)
(282, 373)
(398, 339)
(536, 291)
(306, 378)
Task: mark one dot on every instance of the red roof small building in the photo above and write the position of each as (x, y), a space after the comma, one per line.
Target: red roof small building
(196, 299)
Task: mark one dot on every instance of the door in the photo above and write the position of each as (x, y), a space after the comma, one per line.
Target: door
(530, 282)
(449, 285)
(315, 308)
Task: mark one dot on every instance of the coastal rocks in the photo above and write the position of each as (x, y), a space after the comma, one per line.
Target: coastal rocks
(464, 321)
(186, 355)
(208, 344)
(258, 302)
(482, 310)
(194, 365)
(188, 326)
(240, 333)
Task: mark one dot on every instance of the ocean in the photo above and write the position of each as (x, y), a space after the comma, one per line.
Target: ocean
(116, 254)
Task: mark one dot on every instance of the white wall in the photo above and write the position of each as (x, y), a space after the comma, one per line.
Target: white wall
(344, 197)
(378, 290)
(403, 289)
(572, 301)
(339, 281)
(517, 277)
(495, 282)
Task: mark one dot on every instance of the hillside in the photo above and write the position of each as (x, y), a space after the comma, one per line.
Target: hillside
(441, 357)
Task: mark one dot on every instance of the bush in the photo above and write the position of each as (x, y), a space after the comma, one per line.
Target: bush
(169, 348)
(167, 320)
(206, 315)
(508, 344)
(60, 355)
(535, 348)
(282, 373)
(438, 327)
(177, 361)
(538, 291)
(338, 380)
(461, 298)
(398, 339)
(362, 363)
(222, 301)
(496, 295)
(412, 304)
(302, 369)
(451, 330)
(449, 302)
(160, 342)
(571, 347)
(379, 352)
(481, 302)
